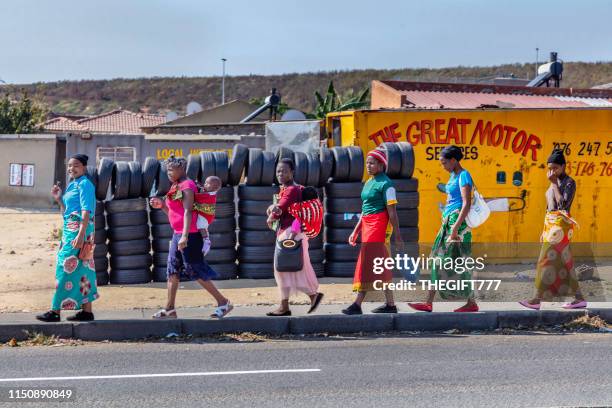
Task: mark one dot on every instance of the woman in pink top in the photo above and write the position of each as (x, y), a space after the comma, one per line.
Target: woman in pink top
(185, 260)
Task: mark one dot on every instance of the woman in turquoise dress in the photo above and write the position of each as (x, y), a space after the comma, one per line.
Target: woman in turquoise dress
(75, 279)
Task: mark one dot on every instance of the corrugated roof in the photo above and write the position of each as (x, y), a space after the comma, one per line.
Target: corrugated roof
(117, 121)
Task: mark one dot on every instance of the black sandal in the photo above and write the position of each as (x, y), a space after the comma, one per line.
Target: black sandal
(285, 313)
(315, 304)
(81, 316)
(49, 317)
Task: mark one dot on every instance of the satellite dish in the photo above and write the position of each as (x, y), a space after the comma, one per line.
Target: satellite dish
(170, 116)
(293, 114)
(193, 107)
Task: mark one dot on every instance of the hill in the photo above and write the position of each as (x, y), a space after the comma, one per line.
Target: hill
(297, 89)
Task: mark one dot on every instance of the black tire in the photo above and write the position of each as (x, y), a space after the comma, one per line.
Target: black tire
(406, 201)
(225, 210)
(342, 164)
(225, 195)
(316, 256)
(149, 173)
(120, 184)
(162, 231)
(253, 222)
(158, 217)
(319, 270)
(283, 153)
(406, 185)
(221, 256)
(121, 206)
(223, 225)
(357, 163)
(407, 169)
(100, 251)
(129, 233)
(340, 269)
(408, 218)
(99, 208)
(337, 235)
(316, 242)
(99, 222)
(224, 240)
(268, 169)
(160, 245)
(100, 236)
(159, 274)
(341, 220)
(255, 270)
(240, 155)
(257, 193)
(127, 218)
(102, 278)
(314, 170)
(92, 174)
(194, 167)
(222, 166)
(254, 167)
(225, 271)
(134, 247)
(101, 264)
(256, 254)
(410, 234)
(344, 190)
(162, 182)
(131, 261)
(327, 166)
(301, 168)
(341, 252)
(135, 179)
(130, 276)
(257, 238)
(344, 205)
(394, 158)
(208, 166)
(105, 174)
(250, 207)
(160, 258)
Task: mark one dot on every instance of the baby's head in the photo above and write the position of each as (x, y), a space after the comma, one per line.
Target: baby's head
(212, 184)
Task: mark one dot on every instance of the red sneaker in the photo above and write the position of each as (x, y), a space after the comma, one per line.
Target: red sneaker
(421, 307)
(470, 308)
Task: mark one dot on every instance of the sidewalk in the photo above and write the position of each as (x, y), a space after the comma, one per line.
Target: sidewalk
(137, 324)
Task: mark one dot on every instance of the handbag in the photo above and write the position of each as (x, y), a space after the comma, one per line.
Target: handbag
(288, 256)
(87, 251)
(479, 211)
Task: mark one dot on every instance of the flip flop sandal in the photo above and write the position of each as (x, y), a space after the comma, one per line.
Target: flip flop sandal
(165, 314)
(534, 306)
(580, 305)
(221, 311)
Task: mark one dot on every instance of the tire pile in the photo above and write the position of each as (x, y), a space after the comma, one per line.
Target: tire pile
(101, 250)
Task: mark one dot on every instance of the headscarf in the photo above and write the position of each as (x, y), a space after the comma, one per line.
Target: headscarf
(83, 158)
(379, 155)
(557, 157)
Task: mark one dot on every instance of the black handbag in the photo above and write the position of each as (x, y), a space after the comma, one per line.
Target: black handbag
(288, 256)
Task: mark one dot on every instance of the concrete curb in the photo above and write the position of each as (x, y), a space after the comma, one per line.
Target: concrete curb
(135, 329)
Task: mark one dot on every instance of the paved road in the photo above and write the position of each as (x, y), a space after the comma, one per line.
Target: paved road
(538, 370)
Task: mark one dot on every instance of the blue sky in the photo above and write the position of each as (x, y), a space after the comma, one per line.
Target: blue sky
(64, 39)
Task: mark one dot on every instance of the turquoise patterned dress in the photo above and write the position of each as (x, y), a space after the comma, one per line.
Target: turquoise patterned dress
(75, 280)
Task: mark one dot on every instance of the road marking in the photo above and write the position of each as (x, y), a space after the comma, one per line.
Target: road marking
(202, 374)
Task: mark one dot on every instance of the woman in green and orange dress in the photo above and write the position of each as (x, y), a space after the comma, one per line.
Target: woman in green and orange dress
(555, 273)
(377, 223)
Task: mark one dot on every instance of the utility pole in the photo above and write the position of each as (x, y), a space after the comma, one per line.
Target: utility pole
(223, 82)
(536, 64)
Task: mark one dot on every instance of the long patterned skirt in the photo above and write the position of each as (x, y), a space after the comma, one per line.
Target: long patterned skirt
(375, 235)
(445, 255)
(555, 273)
(75, 280)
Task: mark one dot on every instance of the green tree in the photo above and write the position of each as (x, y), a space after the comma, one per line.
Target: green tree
(334, 103)
(21, 116)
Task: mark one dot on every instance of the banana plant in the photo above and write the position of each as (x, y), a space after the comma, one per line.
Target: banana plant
(334, 103)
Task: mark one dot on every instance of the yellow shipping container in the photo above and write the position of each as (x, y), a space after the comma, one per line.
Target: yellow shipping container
(510, 143)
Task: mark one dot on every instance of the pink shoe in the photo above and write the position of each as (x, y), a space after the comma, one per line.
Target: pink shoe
(525, 303)
(580, 305)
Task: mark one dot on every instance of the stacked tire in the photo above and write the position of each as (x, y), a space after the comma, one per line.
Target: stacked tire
(342, 211)
(101, 249)
(128, 221)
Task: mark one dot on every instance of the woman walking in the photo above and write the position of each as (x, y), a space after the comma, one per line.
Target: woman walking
(555, 273)
(185, 259)
(75, 278)
(304, 280)
(379, 201)
(454, 239)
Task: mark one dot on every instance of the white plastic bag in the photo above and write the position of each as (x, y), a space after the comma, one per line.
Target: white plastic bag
(479, 211)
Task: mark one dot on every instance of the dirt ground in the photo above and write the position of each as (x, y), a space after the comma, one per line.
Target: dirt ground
(27, 270)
